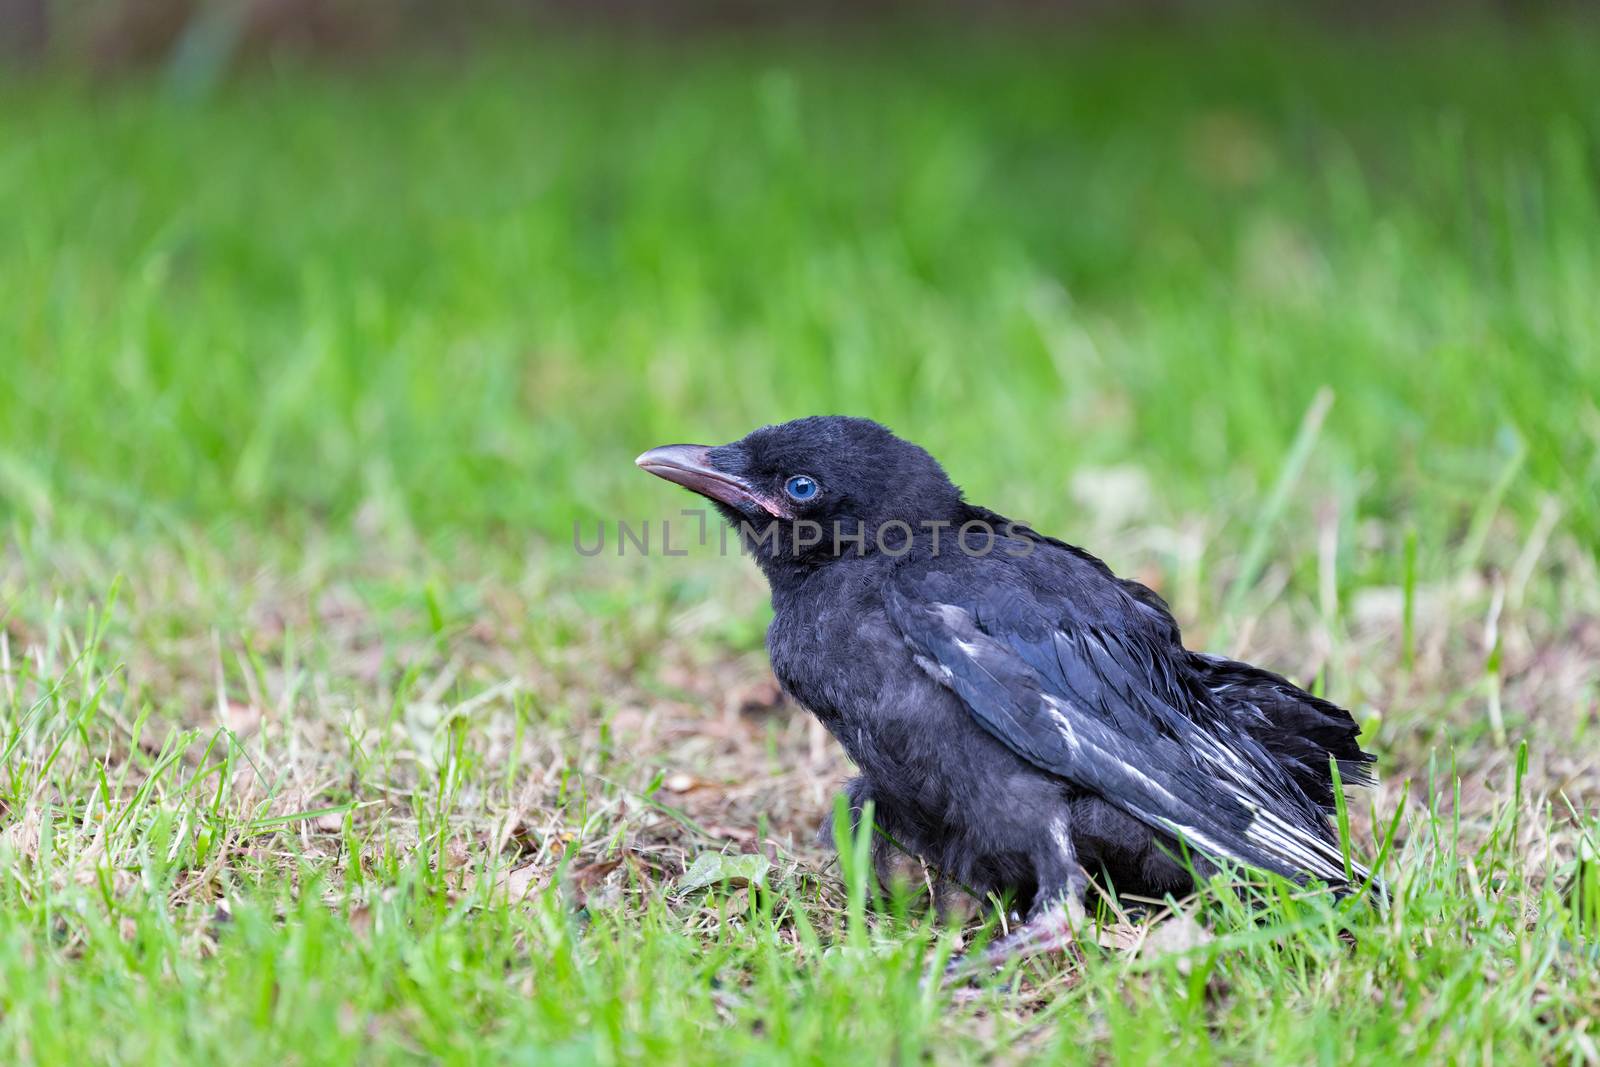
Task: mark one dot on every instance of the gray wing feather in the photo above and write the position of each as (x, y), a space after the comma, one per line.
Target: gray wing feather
(1109, 714)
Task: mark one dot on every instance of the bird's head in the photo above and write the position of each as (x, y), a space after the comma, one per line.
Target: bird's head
(794, 488)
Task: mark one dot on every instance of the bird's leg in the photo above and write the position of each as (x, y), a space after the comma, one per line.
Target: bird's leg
(1050, 925)
(1051, 928)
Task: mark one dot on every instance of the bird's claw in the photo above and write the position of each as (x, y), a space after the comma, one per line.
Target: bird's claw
(1051, 931)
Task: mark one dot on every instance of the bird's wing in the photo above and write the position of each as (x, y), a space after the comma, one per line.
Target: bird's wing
(1107, 709)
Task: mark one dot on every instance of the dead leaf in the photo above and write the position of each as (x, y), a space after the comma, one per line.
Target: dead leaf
(1124, 937)
(1177, 936)
(520, 881)
(742, 835)
(1169, 936)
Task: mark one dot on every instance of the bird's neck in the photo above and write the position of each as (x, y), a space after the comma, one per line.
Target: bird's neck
(803, 588)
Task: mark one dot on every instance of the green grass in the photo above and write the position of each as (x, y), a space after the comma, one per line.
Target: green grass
(321, 744)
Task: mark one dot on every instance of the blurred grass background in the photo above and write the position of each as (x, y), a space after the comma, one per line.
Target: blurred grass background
(467, 294)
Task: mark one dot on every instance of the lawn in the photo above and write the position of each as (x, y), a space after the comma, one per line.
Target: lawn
(320, 742)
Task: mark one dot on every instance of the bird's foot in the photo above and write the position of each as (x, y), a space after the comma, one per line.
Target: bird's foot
(1052, 930)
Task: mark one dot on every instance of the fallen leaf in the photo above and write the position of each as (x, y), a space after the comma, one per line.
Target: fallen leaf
(519, 881)
(713, 868)
(1176, 936)
(1171, 936)
(743, 835)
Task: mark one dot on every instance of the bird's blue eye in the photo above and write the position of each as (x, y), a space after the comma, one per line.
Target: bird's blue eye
(800, 487)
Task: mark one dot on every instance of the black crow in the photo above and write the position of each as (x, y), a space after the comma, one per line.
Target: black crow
(1022, 718)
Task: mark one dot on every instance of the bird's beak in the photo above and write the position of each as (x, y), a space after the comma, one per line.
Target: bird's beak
(690, 466)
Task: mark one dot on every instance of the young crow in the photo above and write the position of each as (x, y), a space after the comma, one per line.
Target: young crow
(1022, 718)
